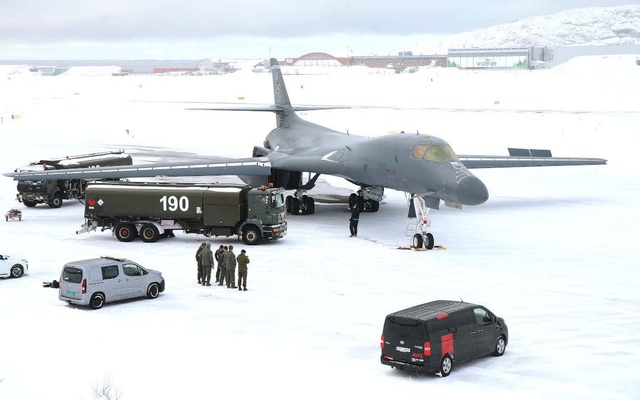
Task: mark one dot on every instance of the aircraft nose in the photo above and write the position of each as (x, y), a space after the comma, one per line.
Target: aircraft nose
(471, 191)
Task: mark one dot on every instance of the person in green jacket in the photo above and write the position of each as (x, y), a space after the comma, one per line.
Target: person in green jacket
(242, 260)
(230, 266)
(207, 264)
(199, 260)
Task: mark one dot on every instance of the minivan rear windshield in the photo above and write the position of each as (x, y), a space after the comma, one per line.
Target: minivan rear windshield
(71, 274)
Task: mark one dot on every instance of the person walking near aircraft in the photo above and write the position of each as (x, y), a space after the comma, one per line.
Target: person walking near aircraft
(218, 256)
(230, 266)
(243, 260)
(353, 221)
(199, 260)
(223, 270)
(207, 263)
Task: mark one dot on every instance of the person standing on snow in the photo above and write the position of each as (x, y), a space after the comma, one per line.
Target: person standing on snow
(243, 260)
(230, 266)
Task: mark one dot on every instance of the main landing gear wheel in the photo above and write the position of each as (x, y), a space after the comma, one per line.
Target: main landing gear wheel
(126, 232)
(308, 205)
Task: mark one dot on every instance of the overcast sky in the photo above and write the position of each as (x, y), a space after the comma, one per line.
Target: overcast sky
(196, 29)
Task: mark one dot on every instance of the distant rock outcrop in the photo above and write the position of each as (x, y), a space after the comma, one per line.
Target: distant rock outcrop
(585, 26)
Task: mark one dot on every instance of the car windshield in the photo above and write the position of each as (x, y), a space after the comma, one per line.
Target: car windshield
(277, 200)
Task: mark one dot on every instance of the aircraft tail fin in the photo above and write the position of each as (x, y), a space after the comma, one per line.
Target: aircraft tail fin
(285, 112)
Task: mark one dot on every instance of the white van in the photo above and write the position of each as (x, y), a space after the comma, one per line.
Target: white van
(97, 281)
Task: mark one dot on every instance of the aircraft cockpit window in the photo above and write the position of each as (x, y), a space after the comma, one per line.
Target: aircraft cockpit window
(452, 154)
(419, 150)
(436, 154)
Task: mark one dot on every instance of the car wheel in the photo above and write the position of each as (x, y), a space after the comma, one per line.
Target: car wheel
(153, 291)
(501, 346)
(446, 365)
(125, 232)
(17, 271)
(149, 233)
(97, 301)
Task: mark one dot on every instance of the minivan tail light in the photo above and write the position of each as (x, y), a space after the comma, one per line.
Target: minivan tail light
(382, 341)
(84, 286)
(427, 349)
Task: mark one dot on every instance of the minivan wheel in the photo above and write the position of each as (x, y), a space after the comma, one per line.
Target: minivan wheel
(446, 365)
(16, 271)
(153, 291)
(501, 346)
(97, 301)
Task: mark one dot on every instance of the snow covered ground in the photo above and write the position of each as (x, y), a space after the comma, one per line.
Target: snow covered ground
(554, 250)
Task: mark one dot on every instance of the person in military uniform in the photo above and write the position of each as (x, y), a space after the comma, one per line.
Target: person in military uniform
(207, 263)
(218, 256)
(199, 260)
(223, 270)
(242, 260)
(230, 266)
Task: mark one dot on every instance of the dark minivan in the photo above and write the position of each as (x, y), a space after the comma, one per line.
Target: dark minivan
(430, 337)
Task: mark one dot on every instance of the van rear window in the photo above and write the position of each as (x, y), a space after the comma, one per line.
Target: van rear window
(71, 274)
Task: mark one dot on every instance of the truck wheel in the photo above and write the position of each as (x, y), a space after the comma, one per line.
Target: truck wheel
(429, 243)
(125, 232)
(29, 203)
(56, 201)
(251, 235)
(153, 291)
(417, 241)
(446, 365)
(97, 301)
(149, 233)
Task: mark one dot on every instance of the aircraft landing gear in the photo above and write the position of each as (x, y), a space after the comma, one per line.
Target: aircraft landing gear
(369, 202)
(300, 204)
(421, 236)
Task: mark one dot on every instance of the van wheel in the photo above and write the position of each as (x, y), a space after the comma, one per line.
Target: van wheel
(97, 301)
(153, 291)
(251, 235)
(501, 346)
(149, 233)
(125, 232)
(16, 271)
(446, 365)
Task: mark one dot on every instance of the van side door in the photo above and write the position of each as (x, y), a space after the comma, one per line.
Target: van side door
(135, 280)
(112, 282)
(465, 335)
(485, 330)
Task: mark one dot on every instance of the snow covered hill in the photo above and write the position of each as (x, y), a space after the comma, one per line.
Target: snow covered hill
(584, 26)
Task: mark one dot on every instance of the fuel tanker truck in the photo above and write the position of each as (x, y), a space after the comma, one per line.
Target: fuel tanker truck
(52, 192)
(153, 210)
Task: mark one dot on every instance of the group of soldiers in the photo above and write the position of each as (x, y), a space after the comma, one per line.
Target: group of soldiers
(227, 262)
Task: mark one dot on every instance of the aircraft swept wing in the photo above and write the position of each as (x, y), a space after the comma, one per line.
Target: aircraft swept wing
(421, 165)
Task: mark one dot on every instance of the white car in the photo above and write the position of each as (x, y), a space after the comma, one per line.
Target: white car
(13, 267)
